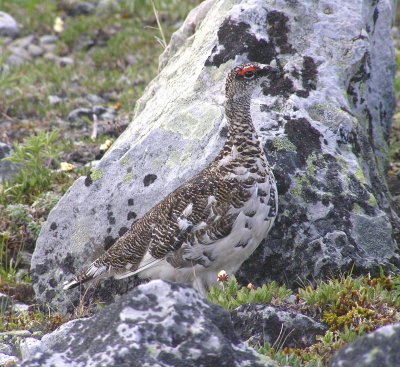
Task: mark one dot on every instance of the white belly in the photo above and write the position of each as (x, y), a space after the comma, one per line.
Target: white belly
(227, 253)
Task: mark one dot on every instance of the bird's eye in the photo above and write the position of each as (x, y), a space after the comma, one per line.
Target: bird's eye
(249, 74)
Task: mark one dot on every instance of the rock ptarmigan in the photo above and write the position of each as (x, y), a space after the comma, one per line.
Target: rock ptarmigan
(216, 219)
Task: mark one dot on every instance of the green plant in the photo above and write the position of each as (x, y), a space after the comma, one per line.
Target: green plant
(34, 157)
(230, 294)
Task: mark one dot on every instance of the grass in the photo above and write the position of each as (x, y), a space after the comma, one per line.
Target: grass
(349, 306)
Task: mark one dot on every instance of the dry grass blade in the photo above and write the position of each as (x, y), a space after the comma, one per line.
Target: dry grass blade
(161, 40)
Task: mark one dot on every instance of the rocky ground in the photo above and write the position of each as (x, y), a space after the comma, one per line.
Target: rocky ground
(70, 74)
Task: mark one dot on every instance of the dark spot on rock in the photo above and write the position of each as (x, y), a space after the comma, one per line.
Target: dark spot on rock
(278, 30)
(223, 133)
(68, 264)
(88, 179)
(42, 288)
(375, 15)
(325, 142)
(309, 73)
(122, 231)
(304, 137)
(109, 229)
(130, 202)
(52, 283)
(236, 40)
(50, 294)
(108, 242)
(53, 226)
(325, 201)
(131, 215)
(111, 218)
(149, 179)
(361, 76)
(279, 85)
(41, 269)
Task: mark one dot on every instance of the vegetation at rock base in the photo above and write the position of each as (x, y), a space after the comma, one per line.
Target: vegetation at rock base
(107, 58)
(349, 306)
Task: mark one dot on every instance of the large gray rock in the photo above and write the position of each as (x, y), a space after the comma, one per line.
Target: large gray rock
(259, 324)
(324, 125)
(158, 324)
(378, 349)
(8, 25)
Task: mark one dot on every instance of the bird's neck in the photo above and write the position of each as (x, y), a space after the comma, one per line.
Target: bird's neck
(241, 131)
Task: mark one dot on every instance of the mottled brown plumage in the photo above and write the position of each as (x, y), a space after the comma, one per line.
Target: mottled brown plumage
(215, 220)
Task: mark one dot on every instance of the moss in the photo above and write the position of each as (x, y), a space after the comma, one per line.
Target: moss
(360, 176)
(283, 143)
(372, 200)
(128, 178)
(124, 161)
(96, 174)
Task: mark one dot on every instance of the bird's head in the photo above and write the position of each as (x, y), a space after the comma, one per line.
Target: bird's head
(243, 79)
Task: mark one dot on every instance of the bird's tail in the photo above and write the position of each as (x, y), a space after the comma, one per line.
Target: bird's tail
(92, 272)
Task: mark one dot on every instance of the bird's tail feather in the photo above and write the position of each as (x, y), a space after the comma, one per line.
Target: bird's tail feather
(93, 271)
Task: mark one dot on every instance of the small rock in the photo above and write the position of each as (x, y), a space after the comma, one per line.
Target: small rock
(29, 347)
(22, 42)
(105, 5)
(7, 169)
(8, 26)
(64, 61)
(80, 112)
(74, 8)
(94, 99)
(130, 59)
(53, 100)
(6, 360)
(49, 47)
(6, 349)
(35, 51)
(14, 60)
(50, 56)
(21, 52)
(20, 307)
(48, 39)
(259, 324)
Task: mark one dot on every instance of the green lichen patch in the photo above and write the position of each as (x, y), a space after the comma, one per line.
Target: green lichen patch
(283, 143)
(128, 178)
(96, 174)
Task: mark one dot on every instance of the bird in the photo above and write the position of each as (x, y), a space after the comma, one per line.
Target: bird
(216, 219)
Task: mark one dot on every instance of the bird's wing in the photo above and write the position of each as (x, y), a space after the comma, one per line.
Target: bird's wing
(197, 211)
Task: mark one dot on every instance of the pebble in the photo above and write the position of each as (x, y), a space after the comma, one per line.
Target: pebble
(35, 51)
(80, 112)
(7, 169)
(81, 8)
(53, 100)
(6, 348)
(20, 52)
(29, 347)
(20, 307)
(8, 26)
(64, 61)
(48, 39)
(7, 360)
(22, 42)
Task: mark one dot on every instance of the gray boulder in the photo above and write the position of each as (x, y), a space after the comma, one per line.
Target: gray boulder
(158, 324)
(260, 324)
(378, 349)
(324, 125)
(8, 25)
